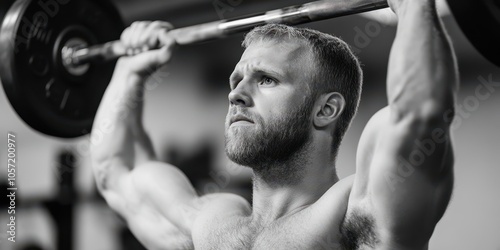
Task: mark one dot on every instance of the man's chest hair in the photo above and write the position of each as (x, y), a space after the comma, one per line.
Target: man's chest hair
(294, 232)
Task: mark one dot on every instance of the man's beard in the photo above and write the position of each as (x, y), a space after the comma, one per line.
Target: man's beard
(271, 147)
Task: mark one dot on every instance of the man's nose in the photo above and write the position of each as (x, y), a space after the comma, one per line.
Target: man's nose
(240, 96)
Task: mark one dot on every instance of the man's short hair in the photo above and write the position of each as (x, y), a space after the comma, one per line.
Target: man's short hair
(339, 69)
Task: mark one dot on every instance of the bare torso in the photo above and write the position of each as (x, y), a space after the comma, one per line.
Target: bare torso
(225, 225)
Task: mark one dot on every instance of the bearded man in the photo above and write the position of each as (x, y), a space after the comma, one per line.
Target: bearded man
(293, 95)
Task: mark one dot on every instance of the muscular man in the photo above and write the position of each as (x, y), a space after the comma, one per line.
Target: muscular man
(293, 95)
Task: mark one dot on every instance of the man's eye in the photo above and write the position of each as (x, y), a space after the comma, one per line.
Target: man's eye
(267, 81)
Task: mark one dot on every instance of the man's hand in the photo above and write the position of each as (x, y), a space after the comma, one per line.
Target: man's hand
(148, 47)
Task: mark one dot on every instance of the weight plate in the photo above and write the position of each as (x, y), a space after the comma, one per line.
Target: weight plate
(46, 95)
(4, 7)
(480, 22)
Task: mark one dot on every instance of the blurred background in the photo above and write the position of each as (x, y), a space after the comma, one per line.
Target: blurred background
(57, 198)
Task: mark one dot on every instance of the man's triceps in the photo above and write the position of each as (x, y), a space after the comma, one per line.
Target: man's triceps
(411, 184)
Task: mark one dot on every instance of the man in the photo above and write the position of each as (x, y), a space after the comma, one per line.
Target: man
(293, 95)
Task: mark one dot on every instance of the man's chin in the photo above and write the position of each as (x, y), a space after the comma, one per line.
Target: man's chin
(236, 157)
(240, 134)
(238, 150)
(244, 161)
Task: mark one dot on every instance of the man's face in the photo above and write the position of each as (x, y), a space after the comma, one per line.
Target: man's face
(269, 116)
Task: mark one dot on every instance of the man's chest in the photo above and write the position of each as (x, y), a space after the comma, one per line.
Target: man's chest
(317, 226)
(296, 232)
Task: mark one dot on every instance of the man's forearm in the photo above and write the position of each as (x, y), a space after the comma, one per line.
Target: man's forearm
(118, 137)
(422, 68)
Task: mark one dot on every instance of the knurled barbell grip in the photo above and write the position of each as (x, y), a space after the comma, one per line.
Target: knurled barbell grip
(309, 12)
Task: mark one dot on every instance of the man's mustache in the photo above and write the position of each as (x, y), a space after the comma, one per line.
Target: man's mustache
(239, 112)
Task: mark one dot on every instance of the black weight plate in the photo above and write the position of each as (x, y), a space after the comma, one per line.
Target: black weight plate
(39, 88)
(4, 7)
(480, 22)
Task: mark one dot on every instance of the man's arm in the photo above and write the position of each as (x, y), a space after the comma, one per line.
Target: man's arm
(404, 174)
(422, 77)
(156, 199)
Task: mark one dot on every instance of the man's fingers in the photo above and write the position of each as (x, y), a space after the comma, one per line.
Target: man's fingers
(146, 63)
(165, 53)
(143, 36)
(124, 38)
(138, 34)
(148, 46)
(152, 33)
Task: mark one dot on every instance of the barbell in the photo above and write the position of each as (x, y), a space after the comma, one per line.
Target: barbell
(58, 55)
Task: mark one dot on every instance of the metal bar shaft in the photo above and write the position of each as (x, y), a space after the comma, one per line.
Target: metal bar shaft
(305, 13)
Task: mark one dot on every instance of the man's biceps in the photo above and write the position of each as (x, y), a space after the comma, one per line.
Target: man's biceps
(164, 188)
(162, 182)
(122, 195)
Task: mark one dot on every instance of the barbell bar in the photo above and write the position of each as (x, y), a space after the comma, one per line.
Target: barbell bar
(298, 14)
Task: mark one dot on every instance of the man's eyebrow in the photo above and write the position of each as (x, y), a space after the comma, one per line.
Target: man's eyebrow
(269, 72)
(234, 77)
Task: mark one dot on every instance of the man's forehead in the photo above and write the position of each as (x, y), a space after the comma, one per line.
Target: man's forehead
(282, 54)
(284, 49)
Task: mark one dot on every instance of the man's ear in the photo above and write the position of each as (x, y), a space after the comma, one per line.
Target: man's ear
(328, 109)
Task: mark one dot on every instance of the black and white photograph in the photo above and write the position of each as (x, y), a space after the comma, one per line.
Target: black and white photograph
(250, 124)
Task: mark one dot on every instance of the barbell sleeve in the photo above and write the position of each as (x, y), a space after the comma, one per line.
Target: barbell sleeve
(298, 14)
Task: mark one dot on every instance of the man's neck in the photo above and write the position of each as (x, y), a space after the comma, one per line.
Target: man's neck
(273, 200)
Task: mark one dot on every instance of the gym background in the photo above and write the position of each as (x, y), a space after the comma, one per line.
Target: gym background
(59, 207)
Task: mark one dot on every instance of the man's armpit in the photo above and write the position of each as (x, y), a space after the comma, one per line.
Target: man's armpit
(357, 230)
